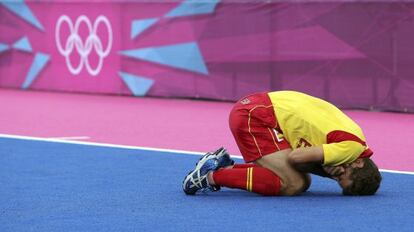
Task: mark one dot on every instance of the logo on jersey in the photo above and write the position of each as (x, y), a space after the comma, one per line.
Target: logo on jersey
(83, 47)
(279, 136)
(303, 143)
(245, 101)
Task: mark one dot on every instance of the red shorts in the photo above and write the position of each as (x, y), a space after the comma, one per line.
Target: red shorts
(255, 127)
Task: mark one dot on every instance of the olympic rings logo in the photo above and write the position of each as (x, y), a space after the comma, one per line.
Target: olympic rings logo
(83, 48)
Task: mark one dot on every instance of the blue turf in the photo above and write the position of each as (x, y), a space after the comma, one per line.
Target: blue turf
(48, 186)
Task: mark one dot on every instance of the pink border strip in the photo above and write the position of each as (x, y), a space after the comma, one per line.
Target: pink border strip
(170, 124)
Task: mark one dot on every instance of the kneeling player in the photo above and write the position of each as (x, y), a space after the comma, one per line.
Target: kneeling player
(265, 125)
(253, 125)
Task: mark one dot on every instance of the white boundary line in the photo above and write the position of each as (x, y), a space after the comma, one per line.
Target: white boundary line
(57, 140)
(397, 172)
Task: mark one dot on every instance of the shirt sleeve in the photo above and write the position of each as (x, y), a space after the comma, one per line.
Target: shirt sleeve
(343, 152)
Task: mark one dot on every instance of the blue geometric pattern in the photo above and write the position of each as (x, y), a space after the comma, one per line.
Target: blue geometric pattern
(23, 44)
(191, 7)
(138, 26)
(38, 64)
(139, 86)
(23, 11)
(185, 56)
(3, 47)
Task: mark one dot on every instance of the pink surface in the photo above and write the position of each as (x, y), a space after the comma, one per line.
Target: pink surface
(172, 124)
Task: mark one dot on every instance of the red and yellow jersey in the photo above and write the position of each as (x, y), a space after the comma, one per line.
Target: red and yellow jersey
(310, 121)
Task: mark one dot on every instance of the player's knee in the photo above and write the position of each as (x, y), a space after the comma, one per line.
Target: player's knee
(294, 190)
(298, 186)
(308, 180)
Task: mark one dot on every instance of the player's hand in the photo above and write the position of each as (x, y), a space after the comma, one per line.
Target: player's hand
(334, 170)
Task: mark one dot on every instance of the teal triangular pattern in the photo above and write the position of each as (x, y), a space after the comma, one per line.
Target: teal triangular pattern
(185, 56)
(23, 44)
(38, 64)
(139, 86)
(139, 26)
(191, 7)
(3, 47)
(20, 8)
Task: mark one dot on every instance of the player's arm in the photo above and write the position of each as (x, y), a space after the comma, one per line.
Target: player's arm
(305, 155)
(308, 160)
(325, 160)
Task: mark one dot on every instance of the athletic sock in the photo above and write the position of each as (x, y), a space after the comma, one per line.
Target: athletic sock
(254, 179)
(244, 165)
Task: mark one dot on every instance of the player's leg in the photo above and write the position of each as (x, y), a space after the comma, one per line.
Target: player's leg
(270, 176)
(248, 176)
(216, 169)
(254, 125)
(254, 179)
(250, 165)
(293, 182)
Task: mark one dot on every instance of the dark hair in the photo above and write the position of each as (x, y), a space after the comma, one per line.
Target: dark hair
(365, 180)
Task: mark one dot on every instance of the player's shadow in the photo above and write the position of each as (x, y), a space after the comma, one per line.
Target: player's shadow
(321, 194)
(236, 193)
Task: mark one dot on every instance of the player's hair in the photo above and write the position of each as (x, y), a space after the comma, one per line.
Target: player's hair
(365, 180)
